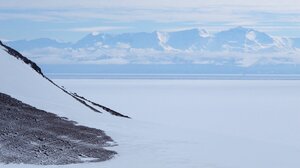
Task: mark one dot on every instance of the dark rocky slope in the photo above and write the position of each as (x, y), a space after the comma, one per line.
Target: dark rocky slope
(32, 136)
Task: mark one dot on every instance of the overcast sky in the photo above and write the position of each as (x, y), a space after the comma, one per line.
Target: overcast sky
(69, 20)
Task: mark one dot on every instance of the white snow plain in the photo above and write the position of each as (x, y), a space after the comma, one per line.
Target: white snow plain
(176, 123)
(200, 123)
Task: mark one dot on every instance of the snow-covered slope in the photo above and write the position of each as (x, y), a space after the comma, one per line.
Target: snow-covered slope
(23, 79)
(22, 82)
(193, 39)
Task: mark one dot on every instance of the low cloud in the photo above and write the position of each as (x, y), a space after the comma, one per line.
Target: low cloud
(99, 55)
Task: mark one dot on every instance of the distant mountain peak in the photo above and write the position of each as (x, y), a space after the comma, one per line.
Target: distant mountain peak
(95, 33)
(238, 30)
(204, 33)
(242, 28)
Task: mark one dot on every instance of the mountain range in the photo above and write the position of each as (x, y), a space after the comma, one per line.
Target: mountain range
(240, 46)
(237, 39)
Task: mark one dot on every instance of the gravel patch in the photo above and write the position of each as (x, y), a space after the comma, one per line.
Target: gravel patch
(32, 136)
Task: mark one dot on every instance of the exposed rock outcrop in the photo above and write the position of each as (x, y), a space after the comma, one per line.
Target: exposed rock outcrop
(32, 136)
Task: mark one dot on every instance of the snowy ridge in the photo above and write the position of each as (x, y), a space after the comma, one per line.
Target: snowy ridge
(88, 103)
(17, 55)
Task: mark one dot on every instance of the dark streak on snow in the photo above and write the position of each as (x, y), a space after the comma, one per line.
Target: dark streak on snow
(24, 59)
(98, 105)
(32, 136)
(77, 97)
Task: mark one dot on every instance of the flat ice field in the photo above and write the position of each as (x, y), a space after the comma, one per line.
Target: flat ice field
(199, 123)
(262, 110)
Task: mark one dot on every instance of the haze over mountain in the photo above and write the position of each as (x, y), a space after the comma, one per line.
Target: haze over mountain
(239, 46)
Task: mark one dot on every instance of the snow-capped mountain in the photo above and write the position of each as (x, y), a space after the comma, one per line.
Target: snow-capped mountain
(242, 40)
(193, 39)
(238, 39)
(185, 46)
(130, 40)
